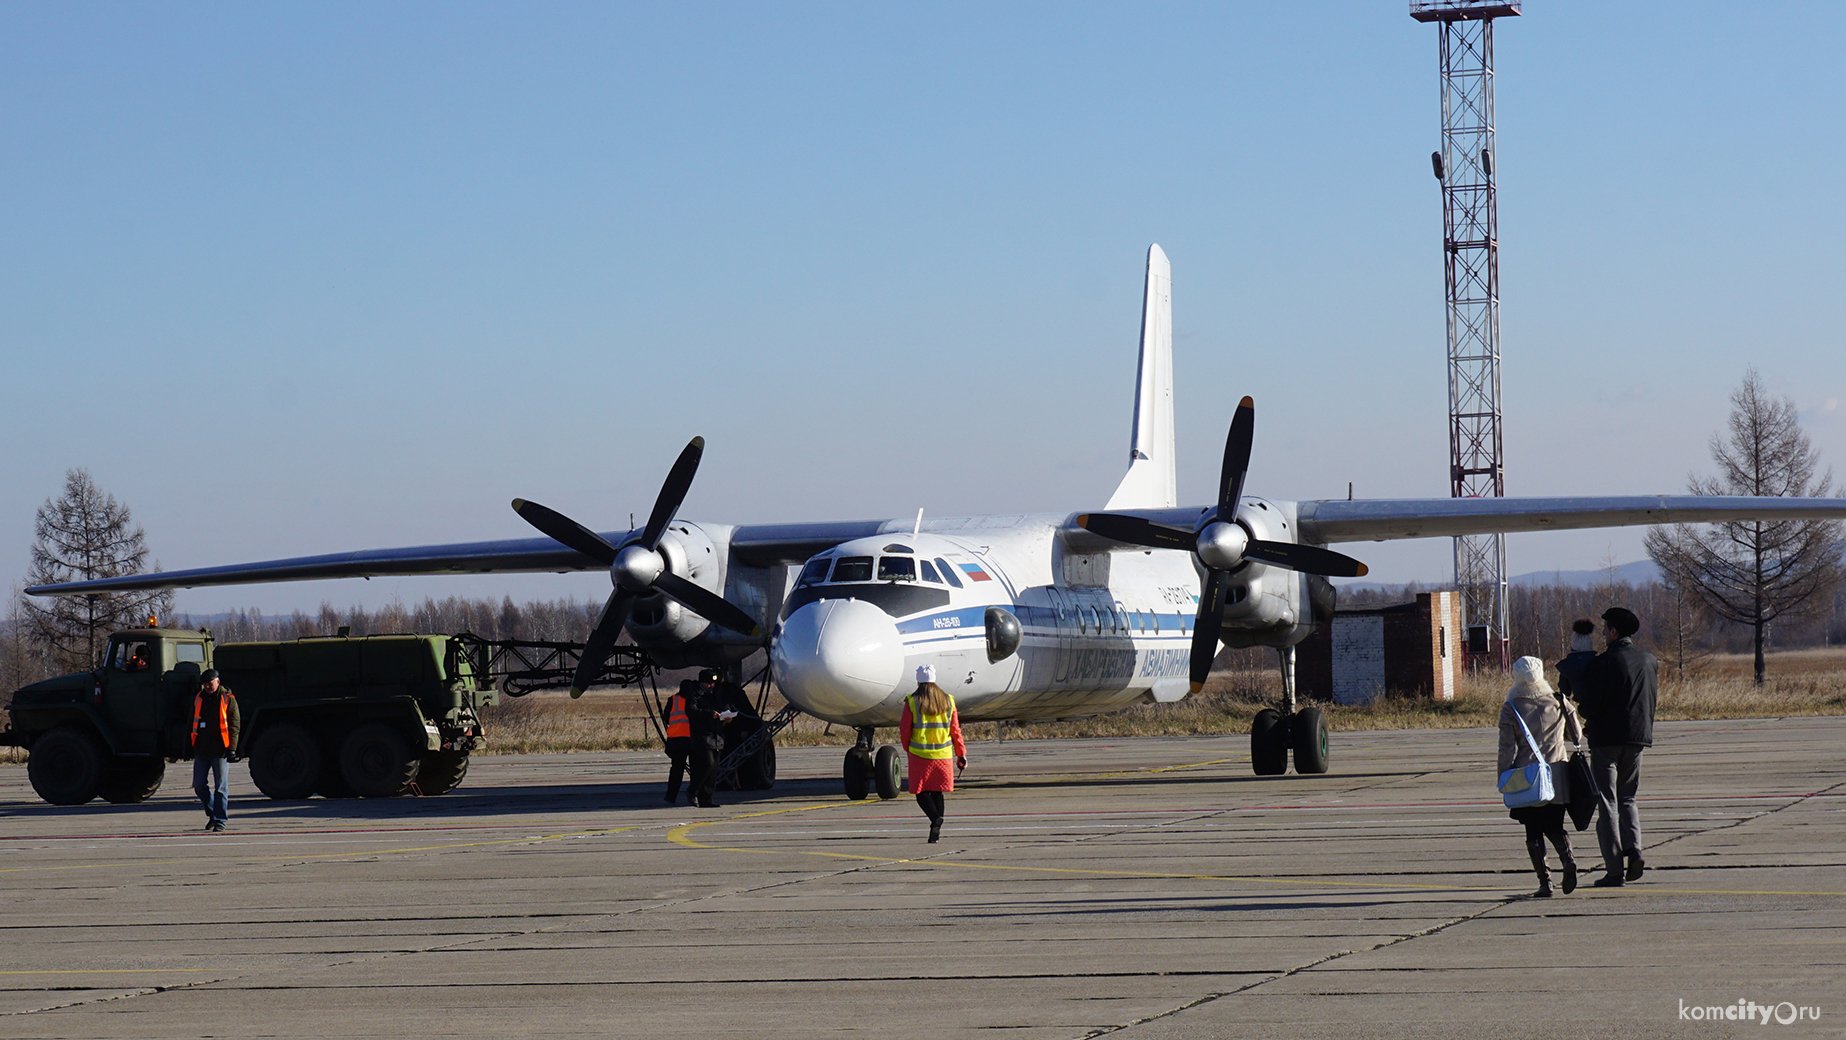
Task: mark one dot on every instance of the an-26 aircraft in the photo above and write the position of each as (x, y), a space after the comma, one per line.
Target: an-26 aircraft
(1024, 617)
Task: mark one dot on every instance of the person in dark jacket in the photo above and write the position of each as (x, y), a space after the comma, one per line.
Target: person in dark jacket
(1620, 690)
(1575, 666)
(706, 713)
(737, 730)
(214, 746)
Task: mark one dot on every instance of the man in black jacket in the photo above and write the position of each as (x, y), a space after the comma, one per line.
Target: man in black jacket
(1618, 698)
(707, 713)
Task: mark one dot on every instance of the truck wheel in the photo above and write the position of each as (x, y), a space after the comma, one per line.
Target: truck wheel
(376, 761)
(130, 781)
(285, 762)
(441, 771)
(66, 766)
(332, 782)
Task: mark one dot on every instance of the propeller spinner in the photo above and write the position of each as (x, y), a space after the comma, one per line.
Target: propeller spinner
(637, 568)
(1221, 543)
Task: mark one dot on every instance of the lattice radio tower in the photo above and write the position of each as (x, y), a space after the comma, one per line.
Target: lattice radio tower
(1471, 265)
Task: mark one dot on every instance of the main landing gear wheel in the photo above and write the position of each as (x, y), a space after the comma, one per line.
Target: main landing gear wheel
(1307, 732)
(885, 776)
(857, 772)
(1269, 743)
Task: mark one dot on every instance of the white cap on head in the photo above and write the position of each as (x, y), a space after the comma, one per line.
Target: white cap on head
(926, 673)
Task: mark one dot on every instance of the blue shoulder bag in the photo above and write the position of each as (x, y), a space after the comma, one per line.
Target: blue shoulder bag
(1529, 784)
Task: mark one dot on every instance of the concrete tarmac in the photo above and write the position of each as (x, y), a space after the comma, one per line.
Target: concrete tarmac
(1133, 888)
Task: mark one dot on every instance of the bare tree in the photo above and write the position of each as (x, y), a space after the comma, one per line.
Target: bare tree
(1754, 572)
(82, 535)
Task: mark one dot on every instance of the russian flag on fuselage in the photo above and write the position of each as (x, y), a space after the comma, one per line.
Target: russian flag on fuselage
(974, 572)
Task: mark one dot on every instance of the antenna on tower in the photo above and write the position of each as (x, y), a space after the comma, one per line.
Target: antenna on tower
(1471, 267)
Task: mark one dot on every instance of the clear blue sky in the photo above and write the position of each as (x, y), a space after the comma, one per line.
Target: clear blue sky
(296, 278)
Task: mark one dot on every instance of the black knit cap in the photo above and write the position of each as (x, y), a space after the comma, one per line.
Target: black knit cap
(207, 676)
(1583, 627)
(1622, 620)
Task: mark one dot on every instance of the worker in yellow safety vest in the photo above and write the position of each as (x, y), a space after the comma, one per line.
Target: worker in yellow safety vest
(930, 731)
(214, 746)
(679, 738)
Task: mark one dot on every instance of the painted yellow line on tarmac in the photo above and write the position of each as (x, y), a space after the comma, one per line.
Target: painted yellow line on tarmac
(682, 835)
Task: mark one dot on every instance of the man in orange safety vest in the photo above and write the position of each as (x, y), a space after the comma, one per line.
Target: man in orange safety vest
(679, 738)
(214, 746)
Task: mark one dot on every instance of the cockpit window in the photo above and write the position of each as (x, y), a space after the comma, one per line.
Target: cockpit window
(897, 568)
(929, 571)
(816, 571)
(853, 568)
(948, 572)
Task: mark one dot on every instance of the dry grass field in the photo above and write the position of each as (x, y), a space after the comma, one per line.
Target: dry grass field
(1805, 682)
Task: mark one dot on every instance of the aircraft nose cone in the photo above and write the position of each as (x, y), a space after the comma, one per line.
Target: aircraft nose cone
(837, 658)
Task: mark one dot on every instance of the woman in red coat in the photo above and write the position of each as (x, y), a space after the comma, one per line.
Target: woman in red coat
(930, 731)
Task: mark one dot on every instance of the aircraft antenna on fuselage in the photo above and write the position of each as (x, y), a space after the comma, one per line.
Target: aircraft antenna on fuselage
(919, 528)
(1151, 482)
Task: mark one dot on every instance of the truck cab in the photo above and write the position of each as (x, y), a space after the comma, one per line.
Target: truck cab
(109, 731)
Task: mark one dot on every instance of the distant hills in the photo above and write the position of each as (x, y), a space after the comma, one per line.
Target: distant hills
(1640, 572)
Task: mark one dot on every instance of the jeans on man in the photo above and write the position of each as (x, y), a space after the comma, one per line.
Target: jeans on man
(1618, 773)
(217, 797)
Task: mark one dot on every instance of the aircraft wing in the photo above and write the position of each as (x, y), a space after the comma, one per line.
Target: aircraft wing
(1376, 520)
(759, 544)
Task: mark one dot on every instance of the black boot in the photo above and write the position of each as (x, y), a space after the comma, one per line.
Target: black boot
(935, 831)
(1636, 867)
(1570, 876)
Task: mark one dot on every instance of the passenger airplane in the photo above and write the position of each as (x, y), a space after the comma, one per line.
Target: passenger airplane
(1024, 617)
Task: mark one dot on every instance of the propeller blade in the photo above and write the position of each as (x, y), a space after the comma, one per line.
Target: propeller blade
(1310, 559)
(1205, 628)
(602, 640)
(1236, 459)
(1134, 530)
(565, 531)
(673, 492)
(708, 605)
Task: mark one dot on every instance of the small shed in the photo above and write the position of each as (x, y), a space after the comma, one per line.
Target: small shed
(1408, 650)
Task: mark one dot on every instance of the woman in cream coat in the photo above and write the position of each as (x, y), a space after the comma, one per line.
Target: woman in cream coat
(1557, 731)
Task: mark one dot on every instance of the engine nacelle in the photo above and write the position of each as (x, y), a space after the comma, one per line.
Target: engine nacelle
(662, 625)
(1263, 605)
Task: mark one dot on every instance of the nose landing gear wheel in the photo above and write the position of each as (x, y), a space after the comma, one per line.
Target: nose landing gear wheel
(857, 773)
(885, 776)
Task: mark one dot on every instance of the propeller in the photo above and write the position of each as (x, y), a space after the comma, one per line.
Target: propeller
(1221, 543)
(637, 567)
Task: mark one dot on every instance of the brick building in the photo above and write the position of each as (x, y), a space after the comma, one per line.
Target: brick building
(1410, 650)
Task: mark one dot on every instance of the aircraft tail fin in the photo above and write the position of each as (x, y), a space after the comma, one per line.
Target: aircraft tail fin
(1151, 481)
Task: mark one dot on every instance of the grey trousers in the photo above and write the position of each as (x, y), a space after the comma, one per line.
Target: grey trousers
(1618, 773)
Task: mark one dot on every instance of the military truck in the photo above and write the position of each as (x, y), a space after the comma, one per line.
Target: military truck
(338, 716)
